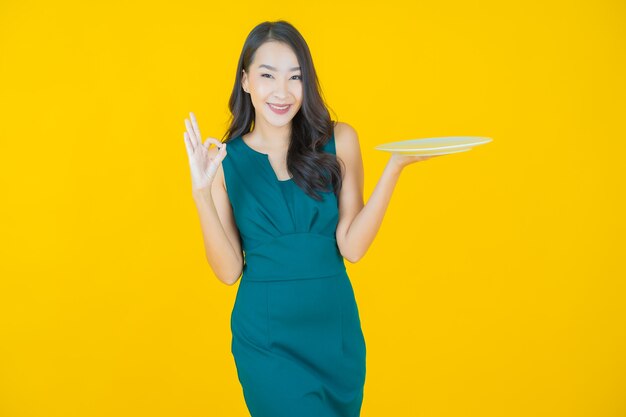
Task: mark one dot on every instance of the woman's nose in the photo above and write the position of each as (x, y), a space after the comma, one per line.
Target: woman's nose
(281, 88)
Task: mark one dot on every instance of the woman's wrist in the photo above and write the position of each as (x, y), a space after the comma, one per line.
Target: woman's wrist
(202, 194)
(394, 166)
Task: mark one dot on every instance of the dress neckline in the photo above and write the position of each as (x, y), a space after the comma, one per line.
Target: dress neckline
(267, 159)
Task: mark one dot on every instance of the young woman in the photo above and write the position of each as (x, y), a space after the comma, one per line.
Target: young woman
(288, 194)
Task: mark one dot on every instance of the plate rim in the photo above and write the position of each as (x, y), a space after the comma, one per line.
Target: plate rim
(382, 147)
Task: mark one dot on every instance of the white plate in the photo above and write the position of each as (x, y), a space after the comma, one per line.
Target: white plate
(434, 146)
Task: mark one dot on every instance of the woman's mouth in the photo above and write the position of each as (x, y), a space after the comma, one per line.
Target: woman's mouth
(279, 109)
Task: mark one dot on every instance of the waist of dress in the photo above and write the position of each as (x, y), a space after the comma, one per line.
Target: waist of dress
(294, 256)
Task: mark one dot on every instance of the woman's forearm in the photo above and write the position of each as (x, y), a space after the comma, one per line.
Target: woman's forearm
(226, 263)
(367, 222)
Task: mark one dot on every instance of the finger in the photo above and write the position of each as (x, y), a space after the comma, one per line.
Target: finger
(209, 141)
(217, 161)
(194, 139)
(188, 144)
(194, 123)
(192, 135)
(221, 154)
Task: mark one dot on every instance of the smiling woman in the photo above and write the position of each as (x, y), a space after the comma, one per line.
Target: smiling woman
(297, 340)
(285, 210)
(278, 109)
(278, 89)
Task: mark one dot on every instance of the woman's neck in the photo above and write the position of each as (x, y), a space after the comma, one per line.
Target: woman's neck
(270, 138)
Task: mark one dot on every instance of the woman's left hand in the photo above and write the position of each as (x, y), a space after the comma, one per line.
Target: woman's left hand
(400, 161)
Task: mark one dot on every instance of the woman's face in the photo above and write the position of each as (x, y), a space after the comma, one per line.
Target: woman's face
(274, 78)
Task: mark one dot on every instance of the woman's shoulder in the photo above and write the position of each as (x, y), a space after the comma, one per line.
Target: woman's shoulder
(344, 129)
(346, 140)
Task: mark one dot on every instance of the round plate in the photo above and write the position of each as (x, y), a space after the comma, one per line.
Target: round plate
(434, 146)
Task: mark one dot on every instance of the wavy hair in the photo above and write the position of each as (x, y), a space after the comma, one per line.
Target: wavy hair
(311, 128)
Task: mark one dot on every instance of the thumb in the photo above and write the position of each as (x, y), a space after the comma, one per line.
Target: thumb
(209, 140)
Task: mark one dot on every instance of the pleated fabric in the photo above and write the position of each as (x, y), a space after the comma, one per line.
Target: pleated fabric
(297, 340)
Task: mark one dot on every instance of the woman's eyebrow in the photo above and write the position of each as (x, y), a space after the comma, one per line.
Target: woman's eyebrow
(271, 68)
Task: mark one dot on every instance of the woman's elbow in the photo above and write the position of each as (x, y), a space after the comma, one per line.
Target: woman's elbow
(228, 277)
(351, 257)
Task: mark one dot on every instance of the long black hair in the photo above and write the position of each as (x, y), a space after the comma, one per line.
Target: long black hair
(311, 127)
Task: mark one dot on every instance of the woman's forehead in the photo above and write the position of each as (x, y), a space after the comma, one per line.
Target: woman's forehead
(275, 56)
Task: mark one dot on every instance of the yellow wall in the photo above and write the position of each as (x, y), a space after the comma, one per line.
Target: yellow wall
(494, 288)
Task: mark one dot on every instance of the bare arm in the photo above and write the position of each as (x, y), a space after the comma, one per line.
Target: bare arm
(220, 234)
(359, 223)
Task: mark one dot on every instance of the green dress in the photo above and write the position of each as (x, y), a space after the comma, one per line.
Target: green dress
(296, 333)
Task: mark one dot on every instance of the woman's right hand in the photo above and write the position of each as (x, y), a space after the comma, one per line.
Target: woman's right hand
(203, 167)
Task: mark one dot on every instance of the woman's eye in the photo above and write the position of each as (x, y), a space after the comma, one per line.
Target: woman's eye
(298, 76)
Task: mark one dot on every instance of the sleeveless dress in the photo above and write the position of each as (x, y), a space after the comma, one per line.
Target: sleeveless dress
(297, 340)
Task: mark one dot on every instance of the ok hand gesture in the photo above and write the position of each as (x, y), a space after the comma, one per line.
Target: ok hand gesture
(203, 167)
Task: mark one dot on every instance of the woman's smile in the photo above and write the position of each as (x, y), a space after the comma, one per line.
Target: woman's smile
(279, 110)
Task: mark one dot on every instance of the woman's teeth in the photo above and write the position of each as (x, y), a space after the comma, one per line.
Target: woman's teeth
(279, 108)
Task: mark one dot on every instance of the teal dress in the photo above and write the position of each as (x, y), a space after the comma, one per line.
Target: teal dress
(296, 334)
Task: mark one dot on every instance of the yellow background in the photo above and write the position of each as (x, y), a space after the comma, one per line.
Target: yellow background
(495, 286)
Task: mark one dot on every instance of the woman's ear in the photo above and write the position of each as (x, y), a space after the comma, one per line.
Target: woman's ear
(244, 81)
